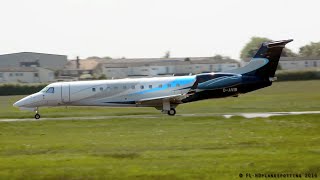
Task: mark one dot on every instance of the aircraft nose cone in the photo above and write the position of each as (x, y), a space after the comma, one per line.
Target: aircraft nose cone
(17, 104)
(23, 102)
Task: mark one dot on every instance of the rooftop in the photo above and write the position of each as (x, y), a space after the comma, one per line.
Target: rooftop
(31, 53)
(87, 64)
(291, 58)
(18, 69)
(164, 61)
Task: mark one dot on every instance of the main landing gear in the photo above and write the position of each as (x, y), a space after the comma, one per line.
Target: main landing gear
(168, 108)
(172, 112)
(37, 116)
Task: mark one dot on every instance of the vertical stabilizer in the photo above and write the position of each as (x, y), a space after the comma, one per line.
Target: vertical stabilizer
(264, 63)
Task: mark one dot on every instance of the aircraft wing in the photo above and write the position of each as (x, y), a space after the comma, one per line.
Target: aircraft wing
(173, 99)
(176, 99)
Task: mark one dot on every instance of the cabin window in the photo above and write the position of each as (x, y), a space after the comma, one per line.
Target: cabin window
(101, 88)
(50, 90)
(116, 87)
(160, 85)
(124, 87)
(150, 86)
(178, 85)
(93, 89)
(133, 87)
(108, 88)
(169, 85)
(142, 87)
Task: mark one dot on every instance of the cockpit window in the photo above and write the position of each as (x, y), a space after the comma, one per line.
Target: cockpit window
(50, 90)
(44, 89)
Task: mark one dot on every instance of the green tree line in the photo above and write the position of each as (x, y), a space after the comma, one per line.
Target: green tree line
(310, 50)
(19, 89)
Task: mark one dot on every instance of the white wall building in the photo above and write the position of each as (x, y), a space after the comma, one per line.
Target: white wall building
(76, 68)
(295, 63)
(122, 68)
(299, 63)
(29, 59)
(26, 75)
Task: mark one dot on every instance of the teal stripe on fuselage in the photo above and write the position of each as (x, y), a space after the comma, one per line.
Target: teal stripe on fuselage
(180, 80)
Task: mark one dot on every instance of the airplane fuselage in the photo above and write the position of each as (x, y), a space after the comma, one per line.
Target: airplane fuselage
(141, 92)
(163, 93)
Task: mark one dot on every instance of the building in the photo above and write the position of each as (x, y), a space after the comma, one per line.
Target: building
(299, 63)
(142, 67)
(32, 59)
(26, 75)
(77, 68)
(294, 63)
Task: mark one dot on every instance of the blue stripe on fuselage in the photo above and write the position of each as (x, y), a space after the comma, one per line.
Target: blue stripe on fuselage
(181, 80)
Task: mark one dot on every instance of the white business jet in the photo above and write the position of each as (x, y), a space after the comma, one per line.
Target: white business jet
(163, 93)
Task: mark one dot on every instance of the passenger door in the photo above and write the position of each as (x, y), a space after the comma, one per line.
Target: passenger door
(65, 93)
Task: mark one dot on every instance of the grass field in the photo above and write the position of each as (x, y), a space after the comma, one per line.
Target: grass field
(160, 148)
(281, 96)
(166, 147)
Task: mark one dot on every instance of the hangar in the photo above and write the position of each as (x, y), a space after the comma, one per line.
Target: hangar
(32, 59)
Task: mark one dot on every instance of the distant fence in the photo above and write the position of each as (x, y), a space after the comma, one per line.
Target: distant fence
(20, 89)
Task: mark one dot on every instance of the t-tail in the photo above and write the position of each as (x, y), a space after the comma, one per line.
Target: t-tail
(260, 72)
(264, 63)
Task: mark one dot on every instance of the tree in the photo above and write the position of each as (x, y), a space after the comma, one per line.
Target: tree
(107, 57)
(94, 57)
(251, 48)
(220, 57)
(102, 76)
(167, 54)
(310, 50)
(288, 53)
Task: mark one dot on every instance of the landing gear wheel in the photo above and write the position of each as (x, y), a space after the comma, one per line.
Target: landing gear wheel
(37, 116)
(172, 112)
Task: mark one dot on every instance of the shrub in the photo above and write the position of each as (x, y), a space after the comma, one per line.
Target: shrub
(19, 89)
(298, 75)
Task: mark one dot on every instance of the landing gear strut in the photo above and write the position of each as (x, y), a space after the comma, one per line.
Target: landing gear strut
(172, 112)
(37, 116)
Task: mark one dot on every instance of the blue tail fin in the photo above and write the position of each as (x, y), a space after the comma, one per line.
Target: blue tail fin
(264, 63)
(271, 52)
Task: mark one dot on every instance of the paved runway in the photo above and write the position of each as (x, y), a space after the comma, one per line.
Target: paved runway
(227, 115)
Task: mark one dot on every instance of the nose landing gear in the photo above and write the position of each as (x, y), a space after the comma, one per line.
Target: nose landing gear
(37, 116)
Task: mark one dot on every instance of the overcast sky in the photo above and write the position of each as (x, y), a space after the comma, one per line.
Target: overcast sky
(148, 28)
